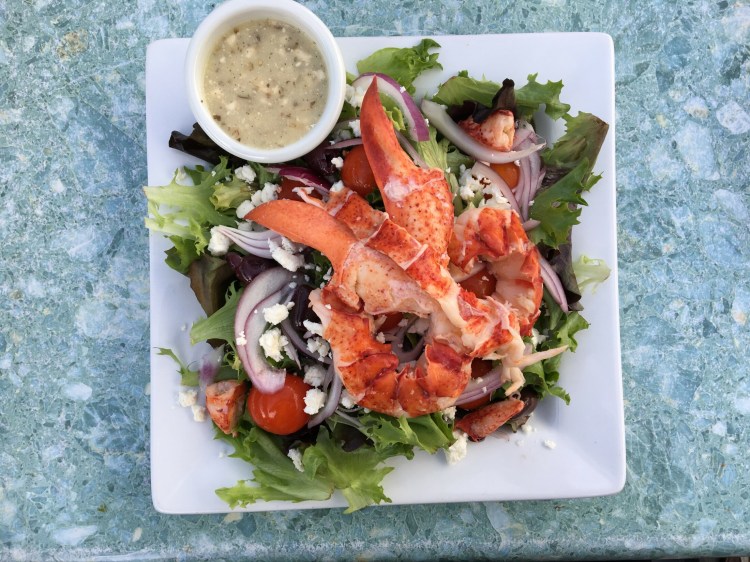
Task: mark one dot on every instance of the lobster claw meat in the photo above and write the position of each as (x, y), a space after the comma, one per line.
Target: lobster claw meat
(419, 200)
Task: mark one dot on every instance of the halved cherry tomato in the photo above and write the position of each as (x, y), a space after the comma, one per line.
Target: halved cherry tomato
(482, 284)
(356, 172)
(287, 190)
(391, 321)
(282, 412)
(509, 172)
(479, 368)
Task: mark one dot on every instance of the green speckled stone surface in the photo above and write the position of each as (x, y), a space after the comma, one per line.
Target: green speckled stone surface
(74, 417)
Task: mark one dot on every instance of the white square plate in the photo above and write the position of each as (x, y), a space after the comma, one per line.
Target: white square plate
(188, 465)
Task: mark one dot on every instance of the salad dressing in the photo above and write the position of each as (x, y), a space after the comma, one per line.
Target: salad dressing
(265, 83)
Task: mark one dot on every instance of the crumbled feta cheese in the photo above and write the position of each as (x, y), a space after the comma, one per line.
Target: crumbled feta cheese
(245, 173)
(241, 339)
(285, 258)
(315, 328)
(354, 124)
(269, 192)
(199, 413)
(315, 399)
(494, 198)
(314, 375)
(338, 162)
(276, 314)
(354, 96)
(188, 397)
(380, 337)
(319, 346)
(296, 457)
(219, 243)
(550, 444)
(527, 428)
(347, 400)
(449, 413)
(470, 184)
(272, 342)
(536, 337)
(457, 451)
(290, 246)
(336, 187)
(244, 208)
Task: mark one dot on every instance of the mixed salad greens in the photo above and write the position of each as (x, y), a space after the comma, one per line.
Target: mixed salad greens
(324, 441)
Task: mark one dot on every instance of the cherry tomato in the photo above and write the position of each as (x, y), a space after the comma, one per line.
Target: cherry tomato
(282, 412)
(391, 321)
(482, 284)
(509, 172)
(479, 368)
(356, 172)
(287, 190)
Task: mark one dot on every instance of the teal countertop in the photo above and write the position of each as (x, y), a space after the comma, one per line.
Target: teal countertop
(74, 370)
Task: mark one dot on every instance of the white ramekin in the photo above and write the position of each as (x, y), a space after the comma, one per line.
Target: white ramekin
(234, 12)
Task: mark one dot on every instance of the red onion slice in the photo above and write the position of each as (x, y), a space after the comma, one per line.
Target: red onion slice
(415, 121)
(298, 342)
(332, 402)
(442, 121)
(411, 151)
(344, 144)
(525, 184)
(476, 388)
(306, 177)
(255, 243)
(494, 177)
(260, 288)
(553, 284)
(209, 367)
(264, 377)
(530, 224)
(523, 132)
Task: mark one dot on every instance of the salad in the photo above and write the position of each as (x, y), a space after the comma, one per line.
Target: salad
(297, 381)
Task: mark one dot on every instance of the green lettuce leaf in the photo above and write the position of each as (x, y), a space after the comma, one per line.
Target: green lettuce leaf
(556, 207)
(534, 94)
(590, 272)
(229, 194)
(403, 65)
(442, 154)
(188, 377)
(458, 89)
(274, 473)
(220, 325)
(394, 112)
(428, 433)
(462, 87)
(560, 329)
(358, 474)
(186, 211)
(582, 141)
(182, 254)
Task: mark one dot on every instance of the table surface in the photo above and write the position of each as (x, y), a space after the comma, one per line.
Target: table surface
(74, 465)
